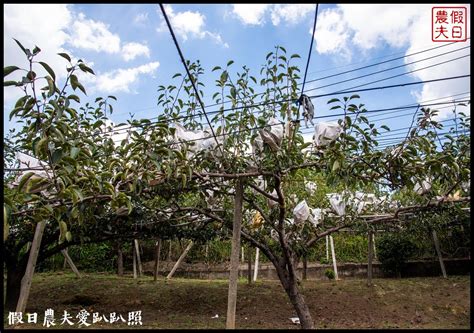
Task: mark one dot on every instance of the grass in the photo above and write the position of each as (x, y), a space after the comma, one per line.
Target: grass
(191, 303)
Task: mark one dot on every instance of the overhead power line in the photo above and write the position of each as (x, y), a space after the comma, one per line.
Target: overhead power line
(168, 120)
(318, 79)
(406, 73)
(392, 68)
(380, 63)
(187, 69)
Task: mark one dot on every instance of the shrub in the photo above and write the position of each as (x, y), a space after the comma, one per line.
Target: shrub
(330, 274)
(393, 252)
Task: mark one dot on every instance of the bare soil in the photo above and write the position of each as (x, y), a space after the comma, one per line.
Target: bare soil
(186, 303)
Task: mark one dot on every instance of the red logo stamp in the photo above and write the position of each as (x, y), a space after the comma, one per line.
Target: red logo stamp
(449, 24)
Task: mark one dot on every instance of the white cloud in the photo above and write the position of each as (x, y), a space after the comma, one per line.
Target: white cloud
(55, 28)
(217, 38)
(188, 24)
(331, 33)
(121, 80)
(250, 13)
(93, 35)
(421, 35)
(140, 18)
(256, 14)
(351, 28)
(132, 50)
(291, 14)
(43, 25)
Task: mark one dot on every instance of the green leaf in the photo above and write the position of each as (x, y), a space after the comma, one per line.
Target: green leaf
(9, 69)
(36, 50)
(86, 69)
(183, 179)
(57, 155)
(6, 229)
(9, 83)
(36, 184)
(224, 76)
(78, 193)
(68, 236)
(216, 68)
(81, 87)
(50, 86)
(22, 48)
(348, 121)
(65, 56)
(48, 69)
(74, 152)
(385, 127)
(74, 81)
(333, 100)
(336, 166)
(74, 98)
(62, 231)
(230, 63)
(39, 147)
(24, 180)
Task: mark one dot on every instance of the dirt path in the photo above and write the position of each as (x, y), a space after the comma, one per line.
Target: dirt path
(184, 303)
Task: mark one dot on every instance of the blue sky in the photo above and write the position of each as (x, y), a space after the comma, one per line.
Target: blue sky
(132, 52)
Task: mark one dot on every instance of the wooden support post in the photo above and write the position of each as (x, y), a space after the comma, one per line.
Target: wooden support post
(374, 247)
(333, 253)
(234, 258)
(243, 257)
(169, 253)
(119, 260)
(30, 267)
(181, 258)
(305, 267)
(134, 261)
(139, 262)
(249, 266)
(327, 248)
(438, 251)
(370, 257)
(157, 259)
(255, 270)
(71, 263)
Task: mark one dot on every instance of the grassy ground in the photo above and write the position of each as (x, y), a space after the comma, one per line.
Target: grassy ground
(186, 303)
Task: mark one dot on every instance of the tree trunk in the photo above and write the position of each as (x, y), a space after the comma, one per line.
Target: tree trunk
(14, 276)
(290, 284)
(302, 310)
(305, 267)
